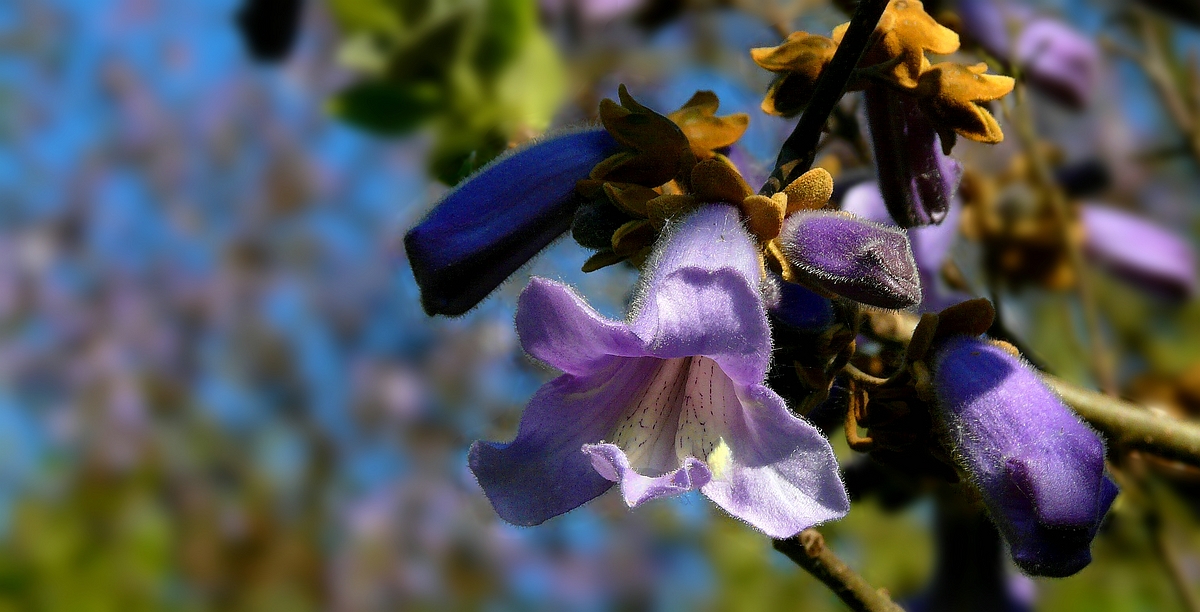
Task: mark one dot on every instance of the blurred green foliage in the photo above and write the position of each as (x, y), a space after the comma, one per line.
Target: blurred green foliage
(479, 74)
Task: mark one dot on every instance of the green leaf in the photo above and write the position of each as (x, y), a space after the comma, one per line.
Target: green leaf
(386, 108)
(507, 26)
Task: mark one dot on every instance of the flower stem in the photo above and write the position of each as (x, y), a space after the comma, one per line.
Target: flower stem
(800, 149)
(809, 551)
(1131, 425)
(1103, 362)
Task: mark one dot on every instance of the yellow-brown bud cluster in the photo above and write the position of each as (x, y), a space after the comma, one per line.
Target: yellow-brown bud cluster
(949, 93)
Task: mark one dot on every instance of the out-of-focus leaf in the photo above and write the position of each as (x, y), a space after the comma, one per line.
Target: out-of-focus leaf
(534, 84)
(507, 25)
(385, 107)
(457, 158)
(431, 53)
(366, 15)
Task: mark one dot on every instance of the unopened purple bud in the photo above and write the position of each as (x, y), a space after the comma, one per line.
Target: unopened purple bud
(837, 252)
(493, 222)
(917, 179)
(1058, 60)
(1040, 469)
(1139, 251)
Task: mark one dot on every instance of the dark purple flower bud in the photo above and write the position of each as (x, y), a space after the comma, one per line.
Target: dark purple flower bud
(930, 244)
(1139, 251)
(799, 308)
(492, 223)
(917, 179)
(837, 252)
(1040, 469)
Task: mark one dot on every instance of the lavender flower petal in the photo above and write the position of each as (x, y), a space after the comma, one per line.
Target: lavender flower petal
(780, 474)
(613, 464)
(1039, 468)
(490, 225)
(864, 261)
(700, 295)
(916, 178)
(1140, 250)
(558, 327)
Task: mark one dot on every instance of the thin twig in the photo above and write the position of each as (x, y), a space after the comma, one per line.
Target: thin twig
(798, 151)
(808, 550)
(1103, 364)
(1131, 425)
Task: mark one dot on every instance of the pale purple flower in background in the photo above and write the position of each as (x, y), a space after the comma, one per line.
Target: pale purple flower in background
(593, 12)
(1054, 56)
(917, 178)
(671, 401)
(840, 253)
(1139, 250)
(1039, 469)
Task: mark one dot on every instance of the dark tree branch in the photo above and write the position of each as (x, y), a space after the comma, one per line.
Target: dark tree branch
(809, 551)
(798, 151)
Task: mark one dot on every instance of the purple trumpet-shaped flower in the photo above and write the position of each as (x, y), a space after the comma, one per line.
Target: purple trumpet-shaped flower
(668, 402)
(840, 253)
(1056, 58)
(1039, 469)
(917, 179)
(490, 225)
(1139, 251)
(931, 244)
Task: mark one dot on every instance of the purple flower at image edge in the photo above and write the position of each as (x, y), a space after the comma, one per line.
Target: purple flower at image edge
(1039, 468)
(668, 402)
(497, 219)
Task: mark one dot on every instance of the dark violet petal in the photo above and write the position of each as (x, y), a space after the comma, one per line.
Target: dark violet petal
(542, 473)
(612, 463)
(1139, 250)
(1039, 468)
(558, 327)
(852, 257)
(700, 295)
(916, 179)
(1059, 60)
(492, 223)
(779, 473)
(802, 309)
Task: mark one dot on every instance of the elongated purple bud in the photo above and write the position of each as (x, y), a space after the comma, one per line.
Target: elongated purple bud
(1139, 251)
(917, 179)
(1040, 469)
(492, 223)
(1059, 60)
(839, 253)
